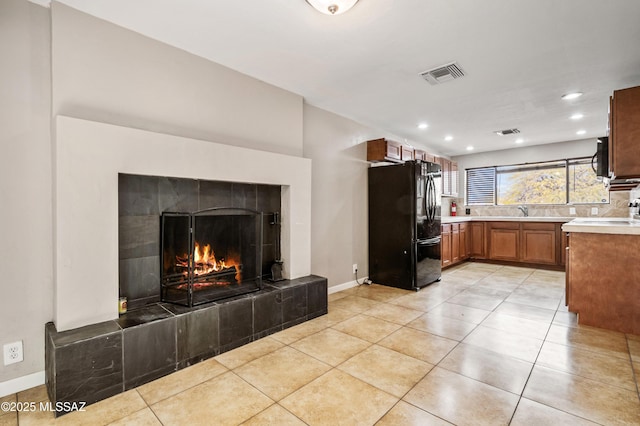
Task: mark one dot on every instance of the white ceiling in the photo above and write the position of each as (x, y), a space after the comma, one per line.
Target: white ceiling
(520, 56)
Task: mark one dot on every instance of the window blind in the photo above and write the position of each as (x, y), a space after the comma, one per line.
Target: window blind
(481, 186)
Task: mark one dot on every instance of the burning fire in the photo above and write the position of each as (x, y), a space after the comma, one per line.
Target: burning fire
(204, 261)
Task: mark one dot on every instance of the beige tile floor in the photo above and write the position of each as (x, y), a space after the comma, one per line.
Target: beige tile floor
(488, 345)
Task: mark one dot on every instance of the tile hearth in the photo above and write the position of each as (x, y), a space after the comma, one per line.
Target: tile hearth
(390, 357)
(92, 363)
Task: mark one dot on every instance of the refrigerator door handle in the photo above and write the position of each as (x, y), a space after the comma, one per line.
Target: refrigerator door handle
(432, 214)
(430, 242)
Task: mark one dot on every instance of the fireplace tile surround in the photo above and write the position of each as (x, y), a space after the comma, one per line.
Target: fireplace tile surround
(141, 201)
(97, 361)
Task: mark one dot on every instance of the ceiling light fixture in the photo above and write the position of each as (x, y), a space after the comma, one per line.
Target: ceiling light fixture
(422, 126)
(448, 138)
(332, 7)
(577, 116)
(469, 148)
(581, 132)
(570, 96)
(520, 140)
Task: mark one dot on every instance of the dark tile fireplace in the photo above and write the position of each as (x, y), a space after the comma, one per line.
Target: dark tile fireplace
(195, 261)
(142, 201)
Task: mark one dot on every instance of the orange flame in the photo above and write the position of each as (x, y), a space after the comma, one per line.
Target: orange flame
(204, 261)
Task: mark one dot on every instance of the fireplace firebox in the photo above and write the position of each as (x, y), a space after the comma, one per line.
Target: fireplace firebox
(210, 254)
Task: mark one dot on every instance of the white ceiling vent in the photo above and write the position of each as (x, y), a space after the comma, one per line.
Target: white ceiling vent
(443, 73)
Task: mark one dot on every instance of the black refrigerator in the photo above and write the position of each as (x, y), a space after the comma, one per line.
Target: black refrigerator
(404, 224)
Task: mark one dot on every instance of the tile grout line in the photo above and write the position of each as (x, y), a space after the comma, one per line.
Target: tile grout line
(633, 370)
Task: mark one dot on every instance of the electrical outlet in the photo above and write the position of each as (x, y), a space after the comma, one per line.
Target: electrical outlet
(13, 353)
(594, 211)
(572, 211)
(355, 268)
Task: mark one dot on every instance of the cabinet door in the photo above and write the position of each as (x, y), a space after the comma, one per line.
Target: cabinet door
(464, 241)
(539, 246)
(504, 241)
(429, 157)
(406, 153)
(446, 245)
(446, 176)
(419, 154)
(454, 178)
(394, 150)
(625, 133)
(476, 248)
(455, 243)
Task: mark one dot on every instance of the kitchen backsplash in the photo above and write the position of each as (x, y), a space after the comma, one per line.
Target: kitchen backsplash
(617, 207)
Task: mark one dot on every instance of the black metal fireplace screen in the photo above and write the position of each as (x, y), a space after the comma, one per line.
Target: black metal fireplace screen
(210, 255)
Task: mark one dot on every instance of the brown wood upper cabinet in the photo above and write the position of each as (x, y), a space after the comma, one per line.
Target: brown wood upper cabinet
(419, 154)
(384, 150)
(449, 176)
(624, 133)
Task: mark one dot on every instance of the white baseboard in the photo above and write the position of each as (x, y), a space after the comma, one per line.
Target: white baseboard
(21, 383)
(345, 286)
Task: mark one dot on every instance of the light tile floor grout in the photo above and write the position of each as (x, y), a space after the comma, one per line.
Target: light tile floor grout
(478, 394)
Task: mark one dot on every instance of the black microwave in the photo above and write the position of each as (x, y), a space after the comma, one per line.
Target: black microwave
(602, 157)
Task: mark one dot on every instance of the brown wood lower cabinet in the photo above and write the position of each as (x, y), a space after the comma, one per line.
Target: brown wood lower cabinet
(455, 243)
(504, 240)
(527, 243)
(464, 241)
(603, 285)
(445, 246)
(539, 243)
(477, 240)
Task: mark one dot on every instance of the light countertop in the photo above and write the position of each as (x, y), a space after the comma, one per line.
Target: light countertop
(603, 225)
(456, 219)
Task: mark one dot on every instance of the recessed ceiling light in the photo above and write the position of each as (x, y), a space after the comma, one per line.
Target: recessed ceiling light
(581, 132)
(469, 148)
(422, 126)
(577, 116)
(448, 138)
(570, 96)
(519, 140)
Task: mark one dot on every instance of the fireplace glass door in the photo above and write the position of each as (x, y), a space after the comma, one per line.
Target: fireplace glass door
(210, 254)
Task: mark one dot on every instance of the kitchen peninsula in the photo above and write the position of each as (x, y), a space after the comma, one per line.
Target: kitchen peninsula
(603, 272)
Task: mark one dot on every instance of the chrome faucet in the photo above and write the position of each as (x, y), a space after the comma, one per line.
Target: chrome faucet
(524, 210)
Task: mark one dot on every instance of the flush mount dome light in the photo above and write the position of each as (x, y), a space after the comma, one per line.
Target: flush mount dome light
(332, 7)
(422, 126)
(581, 132)
(448, 138)
(577, 116)
(570, 96)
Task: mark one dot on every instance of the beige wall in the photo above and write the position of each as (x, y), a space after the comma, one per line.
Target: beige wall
(105, 73)
(25, 183)
(339, 218)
